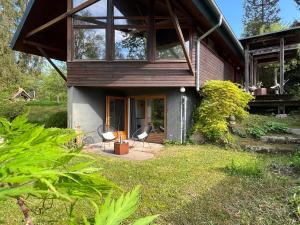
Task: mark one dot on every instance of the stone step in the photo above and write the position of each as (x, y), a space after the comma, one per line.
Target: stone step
(295, 131)
(270, 149)
(282, 139)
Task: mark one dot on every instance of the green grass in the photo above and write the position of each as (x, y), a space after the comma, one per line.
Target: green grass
(293, 120)
(41, 113)
(190, 185)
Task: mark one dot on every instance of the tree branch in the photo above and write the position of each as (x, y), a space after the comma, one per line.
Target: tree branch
(25, 211)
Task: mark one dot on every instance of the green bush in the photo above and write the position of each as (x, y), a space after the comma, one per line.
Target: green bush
(250, 169)
(265, 128)
(59, 120)
(11, 109)
(221, 99)
(295, 162)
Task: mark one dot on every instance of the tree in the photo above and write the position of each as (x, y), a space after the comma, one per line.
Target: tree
(298, 3)
(14, 66)
(259, 13)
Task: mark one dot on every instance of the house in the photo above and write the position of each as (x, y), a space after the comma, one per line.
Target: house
(21, 94)
(135, 62)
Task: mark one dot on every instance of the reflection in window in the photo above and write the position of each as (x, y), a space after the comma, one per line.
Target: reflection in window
(168, 45)
(116, 114)
(156, 114)
(89, 44)
(96, 9)
(130, 44)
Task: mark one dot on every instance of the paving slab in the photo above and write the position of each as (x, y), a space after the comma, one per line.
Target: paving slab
(136, 151)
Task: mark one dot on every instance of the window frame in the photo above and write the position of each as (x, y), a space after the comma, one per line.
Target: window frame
(110, 27)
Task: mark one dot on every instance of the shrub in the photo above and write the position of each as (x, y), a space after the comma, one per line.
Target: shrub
(265, 128)
(221, 99)
(43, 103)
(250, 169)
(295, 162)
(10, 110)
(59, 120)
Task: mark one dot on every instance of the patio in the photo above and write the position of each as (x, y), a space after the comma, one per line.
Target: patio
(137, 152)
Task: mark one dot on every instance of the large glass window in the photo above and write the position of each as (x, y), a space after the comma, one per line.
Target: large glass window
(128, 35)
(98, 9)
(89, 44)
(90, 26)
(130, 44)
(168, 45)
(156, 114)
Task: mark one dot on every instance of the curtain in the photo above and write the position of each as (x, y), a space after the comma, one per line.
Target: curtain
(133, 122)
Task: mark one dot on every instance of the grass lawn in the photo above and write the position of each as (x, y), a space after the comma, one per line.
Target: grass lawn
(40, 113)
(190, 185)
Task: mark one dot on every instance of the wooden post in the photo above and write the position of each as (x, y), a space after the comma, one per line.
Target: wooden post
(251, 71)
(247, 68)
(255, 81)
(281, 61)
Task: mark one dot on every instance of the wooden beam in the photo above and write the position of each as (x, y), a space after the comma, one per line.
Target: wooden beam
(247, 68)
(274, 49)
(281, 61)
(52, 64)
(180, 36)
(69, 33)
(61, 17)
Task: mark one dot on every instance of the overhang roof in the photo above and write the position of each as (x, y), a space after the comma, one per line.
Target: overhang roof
(291, 36)
(39, 12)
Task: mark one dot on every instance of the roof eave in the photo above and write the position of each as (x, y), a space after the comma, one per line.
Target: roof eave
(22, 22)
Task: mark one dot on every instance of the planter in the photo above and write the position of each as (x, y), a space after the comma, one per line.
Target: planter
(260, 91)
(121, 148)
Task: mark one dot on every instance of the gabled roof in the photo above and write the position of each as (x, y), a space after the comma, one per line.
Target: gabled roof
(38, 12)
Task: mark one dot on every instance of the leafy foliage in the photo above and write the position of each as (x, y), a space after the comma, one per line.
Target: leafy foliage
(10, 109)
(259, 13)
(258, 130)
(59, 120)
(35, 161)
(221, 99)
(114, 212)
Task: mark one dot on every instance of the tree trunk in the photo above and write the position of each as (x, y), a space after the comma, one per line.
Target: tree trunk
(25, 211)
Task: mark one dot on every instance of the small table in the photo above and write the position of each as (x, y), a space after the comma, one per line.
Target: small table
(121, 148)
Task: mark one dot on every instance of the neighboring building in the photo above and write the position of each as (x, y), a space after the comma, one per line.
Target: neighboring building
(21, 94)
(133, 62)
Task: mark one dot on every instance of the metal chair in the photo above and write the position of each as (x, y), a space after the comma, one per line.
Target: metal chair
(107, 134)
(141, 135)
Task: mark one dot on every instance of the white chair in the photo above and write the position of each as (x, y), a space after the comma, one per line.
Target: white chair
(107, 134)
(141, 135)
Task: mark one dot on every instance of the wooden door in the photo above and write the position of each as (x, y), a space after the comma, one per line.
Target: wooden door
(116, 114)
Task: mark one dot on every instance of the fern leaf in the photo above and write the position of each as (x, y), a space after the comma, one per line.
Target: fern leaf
(145, 221)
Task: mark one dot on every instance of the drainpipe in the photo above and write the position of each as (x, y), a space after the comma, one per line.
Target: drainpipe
(199, 39)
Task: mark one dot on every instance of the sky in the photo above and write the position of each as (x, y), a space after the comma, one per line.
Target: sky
(233, 12)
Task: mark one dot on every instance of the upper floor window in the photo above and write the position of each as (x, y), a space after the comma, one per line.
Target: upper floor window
(123, 32)
(90, 26)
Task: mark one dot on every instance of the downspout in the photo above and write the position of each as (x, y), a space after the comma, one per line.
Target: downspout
(199, 39)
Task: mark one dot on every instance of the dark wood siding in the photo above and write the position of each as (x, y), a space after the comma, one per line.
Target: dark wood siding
(213, 67)
(129, 74)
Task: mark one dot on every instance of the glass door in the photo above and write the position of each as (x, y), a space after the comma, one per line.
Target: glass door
(116, 114)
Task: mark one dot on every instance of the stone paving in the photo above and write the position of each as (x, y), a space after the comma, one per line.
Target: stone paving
(136, 152)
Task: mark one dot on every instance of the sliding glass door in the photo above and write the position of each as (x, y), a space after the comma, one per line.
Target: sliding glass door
(116, 114)
(149, 110)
